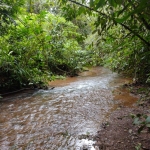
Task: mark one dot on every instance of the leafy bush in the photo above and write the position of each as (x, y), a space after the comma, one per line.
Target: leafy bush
(41, 45)
(142, 120)
(123, 53)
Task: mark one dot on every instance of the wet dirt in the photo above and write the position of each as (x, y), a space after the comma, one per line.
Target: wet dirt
(55, 119)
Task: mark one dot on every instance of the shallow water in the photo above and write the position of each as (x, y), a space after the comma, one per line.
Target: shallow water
(54, 119)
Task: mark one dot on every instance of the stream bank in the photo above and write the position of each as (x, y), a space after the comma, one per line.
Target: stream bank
(119, 132)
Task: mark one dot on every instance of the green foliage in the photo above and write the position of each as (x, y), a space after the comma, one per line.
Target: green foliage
(65, 49)
(124, 53)
(121, 33)
(36, 44)
(142, 120)
(138, 147)
(41, 45)
(8, 12)
(36, 6)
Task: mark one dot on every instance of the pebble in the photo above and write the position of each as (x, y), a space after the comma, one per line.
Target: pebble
(130, 131)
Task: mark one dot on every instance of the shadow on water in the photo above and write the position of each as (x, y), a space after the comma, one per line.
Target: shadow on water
(55, 119)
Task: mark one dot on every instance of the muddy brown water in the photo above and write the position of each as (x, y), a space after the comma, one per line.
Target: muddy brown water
(54, 119)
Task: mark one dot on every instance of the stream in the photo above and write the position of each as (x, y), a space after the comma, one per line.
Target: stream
(54, 119)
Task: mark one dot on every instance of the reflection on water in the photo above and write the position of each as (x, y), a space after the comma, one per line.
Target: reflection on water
(53, 119)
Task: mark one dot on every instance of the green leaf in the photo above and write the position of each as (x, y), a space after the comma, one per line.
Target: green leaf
(138, 147)
(136, 121)
(133, 116)
(91, 3)
(120, 20)
(100, 3)
(83, 1)
(94, 31)
(118, 1)
(112, 2)
(148, 119)
(81, 10)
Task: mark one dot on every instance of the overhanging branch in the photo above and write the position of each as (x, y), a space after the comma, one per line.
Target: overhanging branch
(123, 25)
(136, 34)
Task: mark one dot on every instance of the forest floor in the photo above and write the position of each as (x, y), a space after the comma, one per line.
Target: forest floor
(119, 133)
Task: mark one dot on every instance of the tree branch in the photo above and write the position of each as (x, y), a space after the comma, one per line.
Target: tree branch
(136, 34)
(125, 26)
(145, 23)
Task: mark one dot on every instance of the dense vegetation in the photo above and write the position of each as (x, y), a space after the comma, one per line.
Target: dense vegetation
(34, 48)
(39, 40)
(121, 33)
